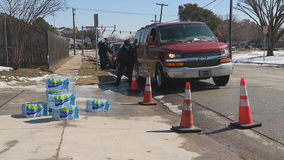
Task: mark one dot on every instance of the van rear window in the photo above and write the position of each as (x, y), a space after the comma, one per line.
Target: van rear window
(185, 33)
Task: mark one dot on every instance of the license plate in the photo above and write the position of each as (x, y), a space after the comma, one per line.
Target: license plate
(205, 73)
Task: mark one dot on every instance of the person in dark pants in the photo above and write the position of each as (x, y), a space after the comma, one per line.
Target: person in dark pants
(125, 58)
(103, 49)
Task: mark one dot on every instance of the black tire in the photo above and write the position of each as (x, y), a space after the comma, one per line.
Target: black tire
(160, 79)
(221, 81)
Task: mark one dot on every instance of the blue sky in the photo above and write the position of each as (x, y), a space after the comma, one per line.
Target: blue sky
(109, 12)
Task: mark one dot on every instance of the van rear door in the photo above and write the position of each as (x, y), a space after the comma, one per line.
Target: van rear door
(152, 56)
(144, 51)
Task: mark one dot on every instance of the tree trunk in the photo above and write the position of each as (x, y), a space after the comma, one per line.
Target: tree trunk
(270, 47)
(270, 51)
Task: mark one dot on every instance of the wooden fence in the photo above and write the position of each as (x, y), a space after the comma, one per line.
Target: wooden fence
(42, 48)
(58, 48)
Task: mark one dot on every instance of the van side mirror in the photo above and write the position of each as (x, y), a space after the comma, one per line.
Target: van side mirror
(150, 40)
(218, 34)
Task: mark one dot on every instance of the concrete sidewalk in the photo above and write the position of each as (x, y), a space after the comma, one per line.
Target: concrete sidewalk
(127, 131)
(71, 67)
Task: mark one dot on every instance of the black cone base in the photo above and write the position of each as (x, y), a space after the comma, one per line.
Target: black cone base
(178, 129)
(142, 103)
(134, 90)
(246, 126)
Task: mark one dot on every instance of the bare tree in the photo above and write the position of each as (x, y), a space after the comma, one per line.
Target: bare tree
(131, 38)
(20, 15)
(250, 31)
(265, 13)
(224, 28)
(112, 37)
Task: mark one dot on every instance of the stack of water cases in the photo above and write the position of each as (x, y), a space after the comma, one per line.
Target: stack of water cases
(61, 103)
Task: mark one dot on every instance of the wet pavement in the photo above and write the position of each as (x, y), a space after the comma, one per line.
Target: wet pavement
(127, 131)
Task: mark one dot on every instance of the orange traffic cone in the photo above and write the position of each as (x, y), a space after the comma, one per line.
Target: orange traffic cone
(245, 119)
(186, 123)
(148, 92)
(134, 86)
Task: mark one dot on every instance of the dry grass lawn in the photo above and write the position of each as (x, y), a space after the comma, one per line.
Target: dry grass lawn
(89, 68)
(30, 72)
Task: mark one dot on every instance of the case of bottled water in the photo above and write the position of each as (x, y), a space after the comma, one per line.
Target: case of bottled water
(97, 105)
(36, 109)
(50, 99)
(59, 101)
(57, 83)
(70, 112)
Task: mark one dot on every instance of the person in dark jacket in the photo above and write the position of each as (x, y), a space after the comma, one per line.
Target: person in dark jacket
(134, 50)
(103, 49)
(125, 58)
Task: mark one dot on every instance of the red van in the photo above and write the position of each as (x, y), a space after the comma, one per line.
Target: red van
(187, 50)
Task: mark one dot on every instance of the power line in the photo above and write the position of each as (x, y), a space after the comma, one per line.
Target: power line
(217, 5)
(209, 4)
(99, 10)
(173, 20)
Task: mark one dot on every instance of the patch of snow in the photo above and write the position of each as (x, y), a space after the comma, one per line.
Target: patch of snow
(3, 68)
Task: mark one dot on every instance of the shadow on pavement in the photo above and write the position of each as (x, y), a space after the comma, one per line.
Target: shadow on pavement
(17, 116)
(42, 120)
(130, 104)
(220, 130)
(178, 86)
(161, 131)
(34, 120)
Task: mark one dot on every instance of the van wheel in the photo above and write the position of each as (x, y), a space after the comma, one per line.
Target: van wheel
(221, 81)
(160, 79)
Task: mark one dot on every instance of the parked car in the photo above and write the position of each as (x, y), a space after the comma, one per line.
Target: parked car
(249, 48)
(109, 58)
(275, 49)
(115, 47)
(187, 50)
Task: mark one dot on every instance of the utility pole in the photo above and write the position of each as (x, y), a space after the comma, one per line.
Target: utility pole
(162, 5)
(53, 22)
(231, 36)
(82, 41)
(74, 35)
(6, 40)
(155, 19)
